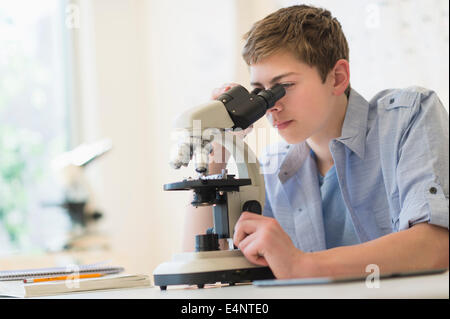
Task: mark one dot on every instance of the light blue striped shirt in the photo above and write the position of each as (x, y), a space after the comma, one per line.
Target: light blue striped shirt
(392, 165)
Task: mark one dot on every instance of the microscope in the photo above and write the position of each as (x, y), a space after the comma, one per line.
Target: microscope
(78, 197)
(236, 109)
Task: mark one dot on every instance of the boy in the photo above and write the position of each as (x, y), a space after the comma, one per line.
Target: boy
(358, 183)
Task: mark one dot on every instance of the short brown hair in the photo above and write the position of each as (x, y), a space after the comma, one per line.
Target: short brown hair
(311, 34)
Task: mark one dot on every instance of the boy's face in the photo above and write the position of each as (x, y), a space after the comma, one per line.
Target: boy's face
(307, 107)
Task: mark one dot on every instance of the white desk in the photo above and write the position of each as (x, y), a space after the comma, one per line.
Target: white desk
(428, 286)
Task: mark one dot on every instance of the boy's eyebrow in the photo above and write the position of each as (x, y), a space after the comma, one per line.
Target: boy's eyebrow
(275, 79)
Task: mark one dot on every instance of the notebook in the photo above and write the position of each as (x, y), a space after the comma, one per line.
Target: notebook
(58, 271)
(18, 288)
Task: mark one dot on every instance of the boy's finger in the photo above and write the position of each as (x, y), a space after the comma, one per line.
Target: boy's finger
(242, 229)
(250, 248)
(218, 91)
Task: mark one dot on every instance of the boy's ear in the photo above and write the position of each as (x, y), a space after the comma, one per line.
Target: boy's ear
(341, 75)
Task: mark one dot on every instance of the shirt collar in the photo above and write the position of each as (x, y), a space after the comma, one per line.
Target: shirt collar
(293, 161)
(353, 136)
(355, 124)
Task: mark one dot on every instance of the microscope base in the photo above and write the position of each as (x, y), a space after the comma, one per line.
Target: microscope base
(202, 268)
(223, 276)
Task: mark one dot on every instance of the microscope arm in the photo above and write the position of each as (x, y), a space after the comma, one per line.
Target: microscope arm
(247, 167)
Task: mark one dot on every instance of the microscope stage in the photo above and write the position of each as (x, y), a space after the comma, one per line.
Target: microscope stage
(229, 183)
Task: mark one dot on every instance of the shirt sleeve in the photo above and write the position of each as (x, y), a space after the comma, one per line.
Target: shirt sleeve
(267, 210)
(423, 164)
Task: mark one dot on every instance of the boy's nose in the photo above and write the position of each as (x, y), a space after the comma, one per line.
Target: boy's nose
(275, 109)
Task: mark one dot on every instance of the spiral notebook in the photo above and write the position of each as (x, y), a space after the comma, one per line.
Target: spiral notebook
(72, 278)
(58, 271)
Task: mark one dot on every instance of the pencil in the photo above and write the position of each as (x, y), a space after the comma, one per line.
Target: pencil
(70, 277)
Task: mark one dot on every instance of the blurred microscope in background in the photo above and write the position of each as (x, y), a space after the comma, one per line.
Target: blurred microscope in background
(78, 197)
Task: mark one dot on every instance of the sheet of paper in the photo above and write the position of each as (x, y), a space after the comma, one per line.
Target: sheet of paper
(12, 288)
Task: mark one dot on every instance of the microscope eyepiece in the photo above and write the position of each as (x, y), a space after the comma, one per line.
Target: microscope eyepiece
(272, 95)
(246, 108)
(256, 91)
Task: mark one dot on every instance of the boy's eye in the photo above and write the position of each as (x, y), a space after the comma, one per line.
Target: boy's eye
(286, 85)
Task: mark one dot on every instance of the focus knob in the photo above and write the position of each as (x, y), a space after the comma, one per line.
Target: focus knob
(252, 206)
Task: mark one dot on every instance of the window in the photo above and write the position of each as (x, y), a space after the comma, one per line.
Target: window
(33, 123)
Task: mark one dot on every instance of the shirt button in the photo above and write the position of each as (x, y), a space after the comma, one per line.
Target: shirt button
(433, 190)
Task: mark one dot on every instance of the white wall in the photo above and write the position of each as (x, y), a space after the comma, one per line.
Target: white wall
(113, 103)
(393, 43)
(140, 63)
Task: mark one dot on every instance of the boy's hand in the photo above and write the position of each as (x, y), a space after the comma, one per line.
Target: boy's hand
(263, 242)
(219, 91)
